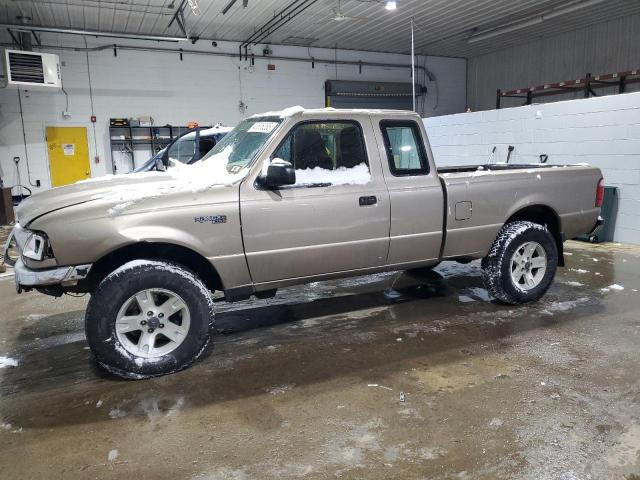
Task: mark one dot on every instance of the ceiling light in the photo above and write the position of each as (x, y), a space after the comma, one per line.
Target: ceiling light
(195, 8)
(391, 5)
(518, 25)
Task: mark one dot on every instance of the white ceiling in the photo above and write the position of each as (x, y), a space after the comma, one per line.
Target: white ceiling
(442, 26)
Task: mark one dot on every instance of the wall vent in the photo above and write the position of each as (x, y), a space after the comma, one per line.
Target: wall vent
(32, 70)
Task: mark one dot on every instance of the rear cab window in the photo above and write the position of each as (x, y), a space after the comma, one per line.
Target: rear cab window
(404, 147)
(326, 153)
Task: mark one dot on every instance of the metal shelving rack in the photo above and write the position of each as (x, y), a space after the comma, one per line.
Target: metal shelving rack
(587, 85)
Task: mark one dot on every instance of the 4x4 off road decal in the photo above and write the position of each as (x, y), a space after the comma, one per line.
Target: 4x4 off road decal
(211, 218)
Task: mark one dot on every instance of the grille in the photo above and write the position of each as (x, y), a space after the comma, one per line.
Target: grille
(26, 68)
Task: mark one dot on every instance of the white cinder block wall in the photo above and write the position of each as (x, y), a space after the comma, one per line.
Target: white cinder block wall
(604, 132)
(203, 88)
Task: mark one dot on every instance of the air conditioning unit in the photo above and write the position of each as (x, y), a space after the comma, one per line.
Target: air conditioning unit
(31, 70)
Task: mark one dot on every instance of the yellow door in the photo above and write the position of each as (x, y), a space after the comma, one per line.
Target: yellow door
(68, 154)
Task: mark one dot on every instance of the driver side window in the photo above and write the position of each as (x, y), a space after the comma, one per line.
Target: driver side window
(328, 153)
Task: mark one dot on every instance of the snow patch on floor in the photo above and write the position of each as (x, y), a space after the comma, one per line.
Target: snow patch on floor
(560, 307)
(224, 473)
(571, 283)
(495, 423)
(614, 287)
(117, 413)
(279, 389)
(579, 270)
(8, 362)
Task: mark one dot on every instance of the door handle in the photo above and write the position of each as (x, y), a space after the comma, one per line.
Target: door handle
(369, 200)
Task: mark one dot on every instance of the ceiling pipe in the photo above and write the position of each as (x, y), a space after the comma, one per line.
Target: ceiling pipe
(228, 6)
(519, 25)
(288, 13)
(225, 54)
(90, 33)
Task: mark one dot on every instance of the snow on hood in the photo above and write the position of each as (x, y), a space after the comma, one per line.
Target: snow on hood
(194, 178)
(120, 192)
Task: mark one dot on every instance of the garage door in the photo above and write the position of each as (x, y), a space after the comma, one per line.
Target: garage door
(350, 94)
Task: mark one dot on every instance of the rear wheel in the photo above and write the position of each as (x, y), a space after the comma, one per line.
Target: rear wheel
(148, 318)
(521, 263)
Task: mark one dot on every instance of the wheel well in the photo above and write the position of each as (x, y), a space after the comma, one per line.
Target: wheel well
(155, 251)
(546, 216)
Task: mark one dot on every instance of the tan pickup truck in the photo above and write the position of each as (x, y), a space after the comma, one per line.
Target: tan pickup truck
(287, 198)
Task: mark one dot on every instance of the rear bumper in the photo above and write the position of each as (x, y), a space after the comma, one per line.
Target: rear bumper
(63, 276)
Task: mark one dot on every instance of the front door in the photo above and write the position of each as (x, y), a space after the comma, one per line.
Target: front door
(335, 218)
(68, 154)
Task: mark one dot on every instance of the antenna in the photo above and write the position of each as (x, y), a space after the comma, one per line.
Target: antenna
(413, 69)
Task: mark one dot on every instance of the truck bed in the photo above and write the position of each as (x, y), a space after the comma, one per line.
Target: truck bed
(480, 199)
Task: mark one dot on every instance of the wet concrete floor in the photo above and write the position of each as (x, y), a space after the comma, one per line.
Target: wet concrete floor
(311, 384)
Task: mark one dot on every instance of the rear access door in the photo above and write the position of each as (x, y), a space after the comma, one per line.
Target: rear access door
(335, 218)
(415, 192)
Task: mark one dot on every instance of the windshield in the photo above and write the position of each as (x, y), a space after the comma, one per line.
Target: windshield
(239, 147)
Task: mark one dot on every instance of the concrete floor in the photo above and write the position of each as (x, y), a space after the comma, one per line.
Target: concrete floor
(309, 384)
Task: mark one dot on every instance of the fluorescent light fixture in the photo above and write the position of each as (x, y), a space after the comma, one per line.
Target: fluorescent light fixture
(195, 8)
(548, 15)
(391, 5)
(505, 29)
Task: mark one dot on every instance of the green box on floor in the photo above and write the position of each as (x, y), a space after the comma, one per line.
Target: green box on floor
(608, 212)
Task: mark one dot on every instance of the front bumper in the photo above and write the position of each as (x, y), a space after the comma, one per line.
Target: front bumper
(28, 278)
(63, 276)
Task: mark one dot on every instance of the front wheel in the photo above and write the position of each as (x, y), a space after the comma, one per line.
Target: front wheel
(148, 318)
(521, 263)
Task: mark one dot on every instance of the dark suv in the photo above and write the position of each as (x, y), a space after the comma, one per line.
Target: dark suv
(187, 148)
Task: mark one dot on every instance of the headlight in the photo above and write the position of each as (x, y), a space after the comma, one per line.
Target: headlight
(35, 247)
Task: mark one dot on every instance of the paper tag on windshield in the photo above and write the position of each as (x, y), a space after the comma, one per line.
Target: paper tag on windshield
(263, 127)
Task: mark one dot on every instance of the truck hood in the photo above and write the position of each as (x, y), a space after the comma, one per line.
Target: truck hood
(85, 191)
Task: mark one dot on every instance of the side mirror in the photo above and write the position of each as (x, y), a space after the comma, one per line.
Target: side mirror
(160, 166)
(279, 172)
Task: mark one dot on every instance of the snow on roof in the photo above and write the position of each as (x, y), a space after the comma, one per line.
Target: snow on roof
(298, 110)
(215, 129)
(286, 113)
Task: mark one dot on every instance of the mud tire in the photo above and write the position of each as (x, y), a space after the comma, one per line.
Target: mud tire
(121, 285)
(496, 266)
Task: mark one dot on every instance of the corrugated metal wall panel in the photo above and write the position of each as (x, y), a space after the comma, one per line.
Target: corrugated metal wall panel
(443, 27)
(601, 48)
